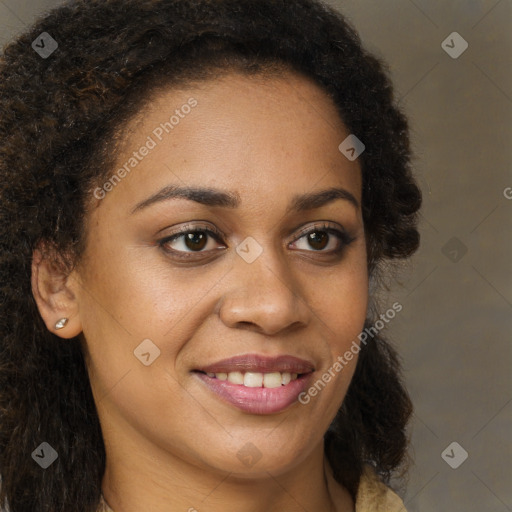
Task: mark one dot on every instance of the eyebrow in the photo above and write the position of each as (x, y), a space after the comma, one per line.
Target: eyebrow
(218, 198)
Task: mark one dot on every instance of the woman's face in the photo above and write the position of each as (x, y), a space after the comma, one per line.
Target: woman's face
(264, 267)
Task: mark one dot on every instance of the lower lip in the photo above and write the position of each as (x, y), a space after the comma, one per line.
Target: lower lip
(258, 400)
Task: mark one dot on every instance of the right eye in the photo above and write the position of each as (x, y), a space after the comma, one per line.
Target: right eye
(189, 241)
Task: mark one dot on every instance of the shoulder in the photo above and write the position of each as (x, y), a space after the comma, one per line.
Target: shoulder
(374, 496)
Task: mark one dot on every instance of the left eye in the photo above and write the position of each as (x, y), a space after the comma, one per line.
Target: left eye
(319, 238)
(196, 241)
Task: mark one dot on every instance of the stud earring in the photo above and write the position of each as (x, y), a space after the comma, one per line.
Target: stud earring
(61, 323)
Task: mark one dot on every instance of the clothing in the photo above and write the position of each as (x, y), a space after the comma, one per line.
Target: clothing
(372, 496)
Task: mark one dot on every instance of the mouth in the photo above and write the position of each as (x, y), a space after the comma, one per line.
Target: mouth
(258, 384)
(256, 363)
(255, 379)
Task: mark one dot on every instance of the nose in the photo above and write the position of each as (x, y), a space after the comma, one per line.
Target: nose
(264, 296)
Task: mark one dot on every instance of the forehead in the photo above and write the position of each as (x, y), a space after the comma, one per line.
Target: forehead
(257, 134)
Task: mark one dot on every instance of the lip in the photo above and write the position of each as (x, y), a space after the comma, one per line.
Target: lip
(261, 364)
(258, 400)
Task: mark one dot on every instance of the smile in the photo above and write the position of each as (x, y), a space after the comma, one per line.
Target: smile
(256, 380)
(257, 384)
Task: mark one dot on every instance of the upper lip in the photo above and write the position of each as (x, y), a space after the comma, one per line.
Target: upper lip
(261, 364)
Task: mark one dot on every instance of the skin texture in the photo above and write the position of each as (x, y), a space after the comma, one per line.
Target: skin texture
(171, 443)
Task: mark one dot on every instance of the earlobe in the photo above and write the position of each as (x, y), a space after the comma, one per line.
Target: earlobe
(61, 323)
(56, 301)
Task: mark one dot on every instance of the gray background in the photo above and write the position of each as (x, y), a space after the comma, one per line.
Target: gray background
(455, 330)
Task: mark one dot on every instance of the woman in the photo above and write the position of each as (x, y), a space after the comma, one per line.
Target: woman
(197, 199)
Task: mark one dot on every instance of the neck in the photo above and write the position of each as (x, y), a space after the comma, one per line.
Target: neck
(164, 483)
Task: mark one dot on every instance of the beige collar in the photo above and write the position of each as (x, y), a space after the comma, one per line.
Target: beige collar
(374, 496)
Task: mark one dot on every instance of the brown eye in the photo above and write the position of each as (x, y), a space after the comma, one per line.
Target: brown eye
(321, 237)
(318, 240)
(190, 241)
(195, 241)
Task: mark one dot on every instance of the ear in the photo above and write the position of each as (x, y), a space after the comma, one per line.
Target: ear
(53, 293)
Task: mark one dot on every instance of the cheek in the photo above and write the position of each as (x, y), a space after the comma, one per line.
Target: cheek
(130, 298)
(129, 294)
(131, 304)
(341, 301)
(123, 301)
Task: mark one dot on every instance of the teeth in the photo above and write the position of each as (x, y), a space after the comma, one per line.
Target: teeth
(272, 380)
(255, 379)
(236, 377)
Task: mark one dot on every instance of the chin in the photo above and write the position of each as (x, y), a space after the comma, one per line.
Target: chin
(250, 462)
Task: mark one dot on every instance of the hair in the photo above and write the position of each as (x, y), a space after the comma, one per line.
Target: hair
(62, 122)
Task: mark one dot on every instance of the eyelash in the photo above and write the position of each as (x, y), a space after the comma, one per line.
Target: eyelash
(343, 237)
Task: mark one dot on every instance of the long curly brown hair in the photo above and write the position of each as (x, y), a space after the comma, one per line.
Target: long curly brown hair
(62, 120)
